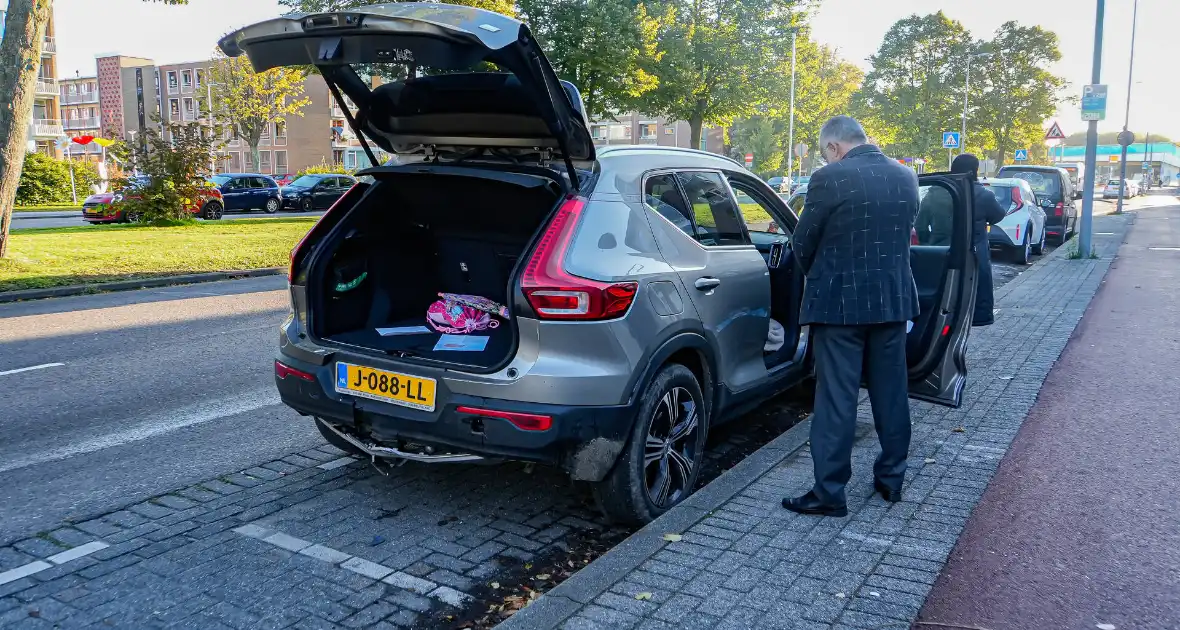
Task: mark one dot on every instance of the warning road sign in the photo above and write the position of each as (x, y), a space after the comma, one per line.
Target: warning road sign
(1054, 132)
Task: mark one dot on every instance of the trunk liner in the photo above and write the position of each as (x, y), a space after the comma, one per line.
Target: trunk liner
(422, 346)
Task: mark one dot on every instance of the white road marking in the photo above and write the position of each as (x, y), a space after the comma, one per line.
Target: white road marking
(38, 566)
(1158, 249)
(153, 425)
(77, 552)
(31, 368)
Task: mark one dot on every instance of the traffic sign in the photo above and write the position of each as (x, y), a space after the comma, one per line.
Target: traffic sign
(749, 160)
(1126, 138)
(1094, 102)
(801, 150)
(1021, 155)
(950, 139)
(1055, 132)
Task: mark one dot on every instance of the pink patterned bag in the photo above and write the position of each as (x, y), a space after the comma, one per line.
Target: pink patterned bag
(457, 319)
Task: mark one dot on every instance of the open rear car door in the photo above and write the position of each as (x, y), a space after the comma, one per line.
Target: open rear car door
(522, 109)
(946, 273)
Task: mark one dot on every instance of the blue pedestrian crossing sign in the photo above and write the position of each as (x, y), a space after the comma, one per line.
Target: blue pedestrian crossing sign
(1021, 155)
(950, 139)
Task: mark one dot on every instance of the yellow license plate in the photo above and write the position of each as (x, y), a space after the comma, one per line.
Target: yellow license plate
(400, 389)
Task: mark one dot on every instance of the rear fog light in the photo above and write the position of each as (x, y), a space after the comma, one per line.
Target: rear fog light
(283, 371)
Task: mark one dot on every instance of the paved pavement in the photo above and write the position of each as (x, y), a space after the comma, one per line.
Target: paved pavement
(737, 560)
(1089, 490)
(27, 220)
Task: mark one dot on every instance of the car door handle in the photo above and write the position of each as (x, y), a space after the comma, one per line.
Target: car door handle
(707, 284)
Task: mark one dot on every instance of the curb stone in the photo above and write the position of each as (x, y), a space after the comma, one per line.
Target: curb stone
(141, 283)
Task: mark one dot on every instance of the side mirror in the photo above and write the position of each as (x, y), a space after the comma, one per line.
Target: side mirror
(1077, 195)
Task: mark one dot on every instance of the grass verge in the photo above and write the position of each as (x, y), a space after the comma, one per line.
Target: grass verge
(51, 257)
(51, 208)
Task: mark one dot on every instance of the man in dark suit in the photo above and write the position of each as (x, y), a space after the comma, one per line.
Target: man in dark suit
(853, 242)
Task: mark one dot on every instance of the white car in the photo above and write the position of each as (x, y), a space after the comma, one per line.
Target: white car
(1021, 234)
(1111, 191)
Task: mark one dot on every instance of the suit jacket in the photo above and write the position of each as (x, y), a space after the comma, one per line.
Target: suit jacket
(853, 241)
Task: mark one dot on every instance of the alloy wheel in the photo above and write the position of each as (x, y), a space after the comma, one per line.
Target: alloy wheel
(272, 205)
(671, 448)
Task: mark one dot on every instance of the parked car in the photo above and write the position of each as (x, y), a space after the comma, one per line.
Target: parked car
(779, 184)
(1111, 190)
(1056, 194)
(244, 192)
(623, 304)
(799, 181)
(108, 207)
(316, 192)
(1022, 232)
(284, 179)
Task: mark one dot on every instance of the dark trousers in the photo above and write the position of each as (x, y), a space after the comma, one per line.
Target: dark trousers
(842, 355)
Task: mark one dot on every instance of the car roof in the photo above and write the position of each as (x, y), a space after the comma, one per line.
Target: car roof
(1032, 167)
(245, 175)
(1004, 181)
(669, 157)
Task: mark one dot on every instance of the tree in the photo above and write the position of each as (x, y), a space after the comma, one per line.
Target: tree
(45, 180)
(1018, 91)
(914, 91)
(250, 102)
(507, 7)
(20, 48)
(763, 135)
(176, 169)
(1111, 137)
(717, 61)
(601, 46)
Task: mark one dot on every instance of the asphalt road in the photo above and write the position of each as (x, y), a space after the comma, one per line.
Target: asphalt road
(27, 220)
(136, 393)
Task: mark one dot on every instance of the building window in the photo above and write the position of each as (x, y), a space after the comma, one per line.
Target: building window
(248, 160)
(280, 162)
(200, 77)
(620, 132)
(647, 131)
(670, 130)
(266, 132)
(174, 107)
(337, 156)
(598, 132)
(186, 79)
(172, 82)
(264, 161)
(188, 109)
(235, 161)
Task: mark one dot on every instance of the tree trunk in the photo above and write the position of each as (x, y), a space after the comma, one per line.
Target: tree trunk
(24, 32)
(695, 125)
(254, 155)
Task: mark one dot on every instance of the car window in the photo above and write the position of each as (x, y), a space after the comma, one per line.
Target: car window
(754, 213)
(662, 194)
(1003, 194)
(934, 224)
(1042, 183)
(716, 214)
(797, 202)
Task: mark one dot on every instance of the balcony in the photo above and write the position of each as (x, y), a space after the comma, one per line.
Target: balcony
(46, 128)
(80, 98)
(48, 47)
(46, 87)
(82, 123)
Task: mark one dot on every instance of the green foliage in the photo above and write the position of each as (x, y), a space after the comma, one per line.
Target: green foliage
(251, 102)
(319, 6)
(717, 61)
(176, 171)
(601, 46)
(324, 167)
(45, 180)
(1111, 137)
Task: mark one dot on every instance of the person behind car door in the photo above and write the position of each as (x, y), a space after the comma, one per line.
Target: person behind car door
(987, 212)
(853, 243)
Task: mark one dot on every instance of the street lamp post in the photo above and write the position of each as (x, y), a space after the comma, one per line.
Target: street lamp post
(791, 124)
(1127, 117)
(1091, 140)
(966, 94)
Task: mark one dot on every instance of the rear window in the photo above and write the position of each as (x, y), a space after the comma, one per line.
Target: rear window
(1113, 182)
(1003, 194)
(1043, 183)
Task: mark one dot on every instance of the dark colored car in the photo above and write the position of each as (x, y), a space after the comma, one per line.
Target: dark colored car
(608, 306)
(316, 192)
(108, 207)
(1056, 193)
(244, 192)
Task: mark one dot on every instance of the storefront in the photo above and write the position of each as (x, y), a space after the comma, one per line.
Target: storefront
(1163, 158)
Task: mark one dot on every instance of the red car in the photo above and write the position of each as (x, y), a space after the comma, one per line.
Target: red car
(284, 179)
(105, 207)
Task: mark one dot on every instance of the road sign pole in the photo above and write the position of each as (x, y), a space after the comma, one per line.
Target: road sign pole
(950, 159)
(1091, 141)
(1127, 116)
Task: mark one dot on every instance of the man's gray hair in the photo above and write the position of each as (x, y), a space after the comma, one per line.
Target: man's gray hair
(842, 129)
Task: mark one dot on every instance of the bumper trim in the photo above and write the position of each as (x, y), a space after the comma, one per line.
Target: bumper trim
(374, 451)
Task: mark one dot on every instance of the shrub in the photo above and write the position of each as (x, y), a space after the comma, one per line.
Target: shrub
(46, 181)
(175, 172)
(324, 167)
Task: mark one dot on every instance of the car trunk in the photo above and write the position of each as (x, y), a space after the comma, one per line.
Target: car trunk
(418, 233)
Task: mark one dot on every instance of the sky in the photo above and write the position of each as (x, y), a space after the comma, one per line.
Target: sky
(855, 27)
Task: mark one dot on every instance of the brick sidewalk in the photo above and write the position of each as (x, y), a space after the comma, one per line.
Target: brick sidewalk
(744, 562)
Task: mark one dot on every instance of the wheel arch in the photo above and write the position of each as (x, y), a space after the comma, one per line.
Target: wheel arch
(691, 350)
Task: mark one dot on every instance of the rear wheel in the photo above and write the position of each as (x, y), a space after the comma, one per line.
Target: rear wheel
(272, 205)
(1039, 248)
(212, 211)
(662, 459)
(307, 205)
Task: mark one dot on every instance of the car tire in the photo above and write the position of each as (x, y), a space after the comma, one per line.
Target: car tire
(336, 441)
(306, 205)
(671, 426)
(272, 205)
(213, 211)
(1039, 248)
(1022, 254)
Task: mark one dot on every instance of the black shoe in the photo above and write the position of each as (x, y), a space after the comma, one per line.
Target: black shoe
(810, 504)
(887, 493)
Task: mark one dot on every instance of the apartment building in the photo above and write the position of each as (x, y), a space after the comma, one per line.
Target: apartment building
(45, 129)
(80, 114)
(635, 128)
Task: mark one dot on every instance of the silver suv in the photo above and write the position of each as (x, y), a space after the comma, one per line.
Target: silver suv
(618, 301)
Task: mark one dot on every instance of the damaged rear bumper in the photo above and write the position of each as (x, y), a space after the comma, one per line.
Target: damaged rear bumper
(585, 441)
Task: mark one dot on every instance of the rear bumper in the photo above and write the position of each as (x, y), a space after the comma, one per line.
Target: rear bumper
(585, 441)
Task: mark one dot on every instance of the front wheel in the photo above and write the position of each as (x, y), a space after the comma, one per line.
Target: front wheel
(659, 466)
(213, 211)
(272, 205)
(307, 205)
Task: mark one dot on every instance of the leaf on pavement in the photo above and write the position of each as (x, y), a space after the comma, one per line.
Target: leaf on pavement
(673, 537)
(931, 460)
(543, 576)
(644, 596)
(495, 585)
(959, 430)
(840, 595)
(1106, 626)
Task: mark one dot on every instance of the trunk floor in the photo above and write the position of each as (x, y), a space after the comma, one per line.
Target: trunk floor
(422, 345)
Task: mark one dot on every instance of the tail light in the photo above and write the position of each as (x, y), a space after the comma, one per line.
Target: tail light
(1058, 209)
(914, 236)
(555, 294)
(1017, 201)
(523, 421)
(283, 370)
